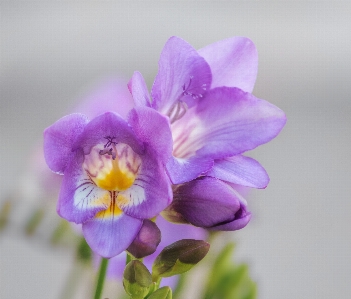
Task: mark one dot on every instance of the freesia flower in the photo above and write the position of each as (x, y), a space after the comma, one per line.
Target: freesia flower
(110, 95)
(214, 120)
(113, 171)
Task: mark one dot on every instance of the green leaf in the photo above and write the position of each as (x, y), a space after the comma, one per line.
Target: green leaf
(179, 257)
(162, 293)
(137, 280)
(228, 280)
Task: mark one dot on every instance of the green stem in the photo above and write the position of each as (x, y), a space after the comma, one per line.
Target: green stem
(101, 278)
(128, 258)
(157, 281)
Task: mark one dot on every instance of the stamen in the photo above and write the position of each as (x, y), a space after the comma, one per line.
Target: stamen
(177, 111)
(180, 107)
(187, 91)
(111, 151)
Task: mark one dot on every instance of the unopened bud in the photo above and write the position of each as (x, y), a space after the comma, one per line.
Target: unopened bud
(147, 240)
(136, 280)
(179, 257)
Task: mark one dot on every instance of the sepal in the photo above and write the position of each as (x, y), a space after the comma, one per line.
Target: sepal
(162, 293)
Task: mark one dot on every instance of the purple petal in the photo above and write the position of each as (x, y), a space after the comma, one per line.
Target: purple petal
(80, 199)
(184, 170)
(150, 193)
(138, 89)
(153, 129)
(240, 170)
(205, 202)
(59, 139)
(107, 124)
(111, 233)
(233, 63)
(241, 219)
(111, 94)
(146, 241)
(183, 75)
(227, 122)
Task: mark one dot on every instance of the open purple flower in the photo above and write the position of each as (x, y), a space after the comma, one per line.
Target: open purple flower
(214, 120)
(114, 174)
(206, 95)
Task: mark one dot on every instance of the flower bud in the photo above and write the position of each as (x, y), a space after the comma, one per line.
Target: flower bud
(162, 293)
(179, 257)
(136, 280)
(146, 241)
(209, 203)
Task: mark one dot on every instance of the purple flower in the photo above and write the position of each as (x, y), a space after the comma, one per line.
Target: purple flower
(214, 120)
(114, 174)
(206, 95)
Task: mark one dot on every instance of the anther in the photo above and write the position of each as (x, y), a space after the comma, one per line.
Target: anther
(187, 89)
(111, 151)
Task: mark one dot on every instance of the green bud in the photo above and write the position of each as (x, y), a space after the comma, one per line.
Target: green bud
(136, 279)
(179, 257)
(162, 293)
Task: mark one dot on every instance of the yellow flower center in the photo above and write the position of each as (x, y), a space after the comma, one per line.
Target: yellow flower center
(115, 172)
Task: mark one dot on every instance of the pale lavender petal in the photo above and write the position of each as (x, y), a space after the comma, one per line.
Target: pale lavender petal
(240, 170)
(107, 124)
(146, 241)
(205, 202)
(108, 235)
(59, 139)
(227, 122)
(150, 193)
(110, 94)
(183, 75)
(138, 89)
(80, 199)
(153, 129)
(184, 170)
(233, 63)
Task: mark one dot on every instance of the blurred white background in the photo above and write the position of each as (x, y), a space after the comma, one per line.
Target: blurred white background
(298, 244)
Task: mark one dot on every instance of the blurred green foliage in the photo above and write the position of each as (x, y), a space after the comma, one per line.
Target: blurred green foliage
(228, 280)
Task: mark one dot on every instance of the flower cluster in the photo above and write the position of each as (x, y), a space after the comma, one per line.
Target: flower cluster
(177, 152)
